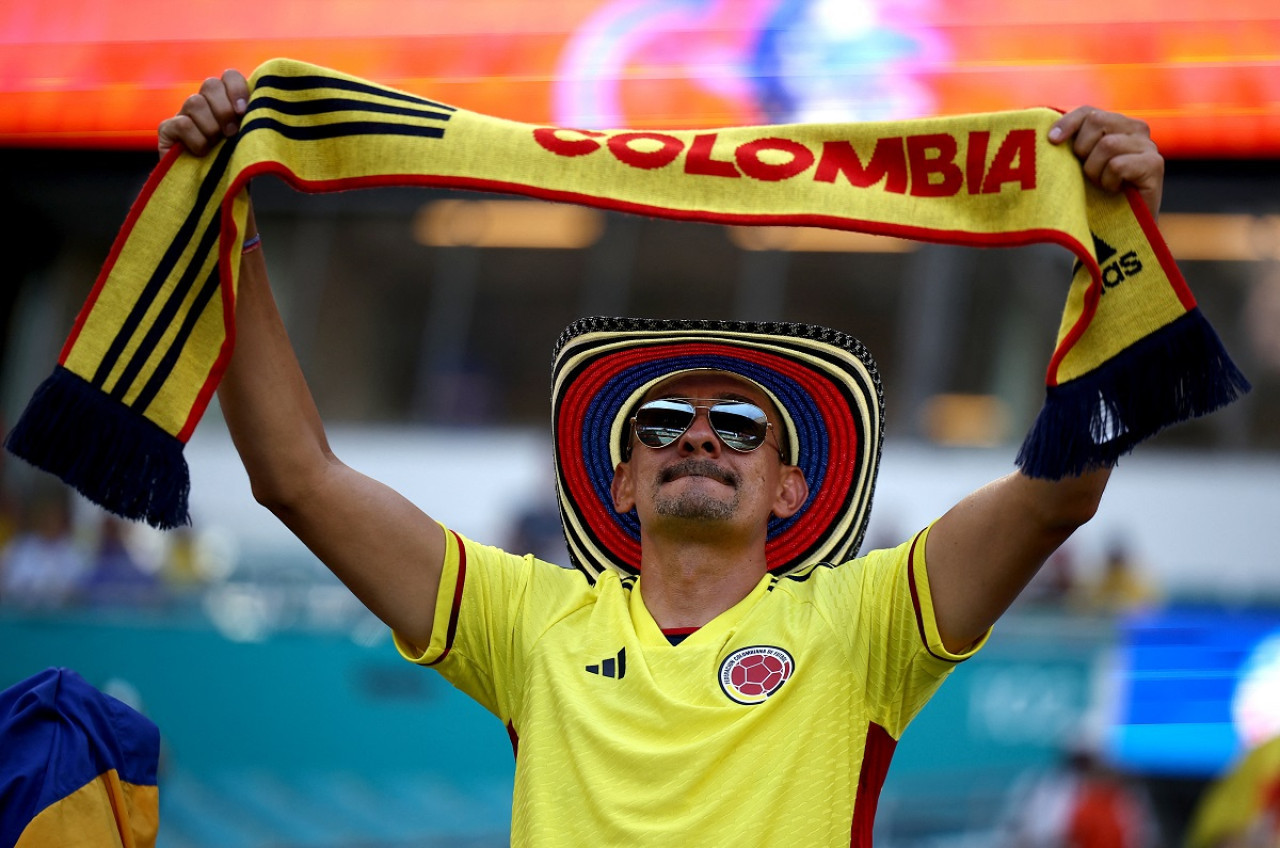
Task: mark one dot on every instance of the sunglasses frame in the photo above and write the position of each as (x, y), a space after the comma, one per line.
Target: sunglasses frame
(708, 404)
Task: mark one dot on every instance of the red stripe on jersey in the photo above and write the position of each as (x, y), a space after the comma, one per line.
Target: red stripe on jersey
(515, 739)
(915, 595)
(457, 600)
(877, 751)
(915, 602)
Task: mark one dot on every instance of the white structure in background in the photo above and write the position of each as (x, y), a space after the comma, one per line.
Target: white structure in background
(1199, 523)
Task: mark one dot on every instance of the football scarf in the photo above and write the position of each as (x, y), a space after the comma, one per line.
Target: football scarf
(147, 350)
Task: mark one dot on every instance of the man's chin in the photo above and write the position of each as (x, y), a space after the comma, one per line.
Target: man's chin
(697, 505)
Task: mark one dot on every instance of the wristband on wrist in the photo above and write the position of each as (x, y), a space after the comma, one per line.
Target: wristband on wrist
(252, 243)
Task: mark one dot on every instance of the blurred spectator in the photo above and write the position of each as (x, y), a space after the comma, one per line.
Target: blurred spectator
(1262, 316)
(1120, 587)
(42, 567)
(8, 504)
(115, 577)
(180, 567)
(1242, 808)
(537, 530)
(1082, 803)
(8, 517)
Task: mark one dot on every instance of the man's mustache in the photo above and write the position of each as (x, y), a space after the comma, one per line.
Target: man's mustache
(698, 468)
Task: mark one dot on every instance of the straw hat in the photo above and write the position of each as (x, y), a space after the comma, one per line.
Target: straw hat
(823, 382)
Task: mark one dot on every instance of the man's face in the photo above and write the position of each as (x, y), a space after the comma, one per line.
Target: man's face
(697, 478)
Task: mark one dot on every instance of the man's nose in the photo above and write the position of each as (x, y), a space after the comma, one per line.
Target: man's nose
(700, 435)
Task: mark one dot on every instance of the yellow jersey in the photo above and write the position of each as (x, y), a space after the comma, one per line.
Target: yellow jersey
(773, 724)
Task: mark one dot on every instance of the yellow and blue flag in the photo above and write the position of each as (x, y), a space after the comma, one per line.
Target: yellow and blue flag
(77, 767)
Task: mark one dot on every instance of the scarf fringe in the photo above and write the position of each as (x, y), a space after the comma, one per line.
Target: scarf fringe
(1179, 372)
(106, 451)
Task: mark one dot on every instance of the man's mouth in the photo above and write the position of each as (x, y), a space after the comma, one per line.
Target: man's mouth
(698, 468)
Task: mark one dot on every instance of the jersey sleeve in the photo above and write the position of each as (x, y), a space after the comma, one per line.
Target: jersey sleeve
(490, 607)
(885, 605)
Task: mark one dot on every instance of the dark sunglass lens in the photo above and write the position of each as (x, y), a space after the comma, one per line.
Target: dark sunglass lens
(742, 426)
(660, 422)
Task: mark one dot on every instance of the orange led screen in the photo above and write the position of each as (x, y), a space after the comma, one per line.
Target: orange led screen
(1204, 74)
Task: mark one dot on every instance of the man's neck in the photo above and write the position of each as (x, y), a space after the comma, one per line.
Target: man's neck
(688, 584)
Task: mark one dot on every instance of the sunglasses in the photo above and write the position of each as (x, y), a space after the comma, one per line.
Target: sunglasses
(740, 425)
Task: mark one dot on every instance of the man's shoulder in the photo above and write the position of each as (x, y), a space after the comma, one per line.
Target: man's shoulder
(502, 566)
(815, 581)
(818, 575)
(814, 572)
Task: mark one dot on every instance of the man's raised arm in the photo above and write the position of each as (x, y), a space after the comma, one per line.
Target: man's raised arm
(385, 549)
(986, 549)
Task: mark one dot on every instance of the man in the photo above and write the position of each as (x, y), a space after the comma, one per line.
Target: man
(736, 692)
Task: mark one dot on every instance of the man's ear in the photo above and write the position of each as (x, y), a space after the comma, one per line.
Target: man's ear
(793, 491)
(623, 488)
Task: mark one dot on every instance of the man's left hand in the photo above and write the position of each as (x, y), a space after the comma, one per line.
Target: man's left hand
(1116, 150)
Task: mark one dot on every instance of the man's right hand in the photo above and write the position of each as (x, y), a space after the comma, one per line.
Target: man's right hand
(208, 116)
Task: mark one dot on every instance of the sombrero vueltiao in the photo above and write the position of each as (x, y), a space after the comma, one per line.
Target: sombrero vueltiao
(824, 383)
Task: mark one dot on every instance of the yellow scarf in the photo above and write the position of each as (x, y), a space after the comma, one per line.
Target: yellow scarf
(151, 343)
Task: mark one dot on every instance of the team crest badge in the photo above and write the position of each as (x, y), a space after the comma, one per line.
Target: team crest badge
(750, 675)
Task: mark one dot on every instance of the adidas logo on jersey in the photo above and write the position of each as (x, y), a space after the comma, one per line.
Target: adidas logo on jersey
(615, 667)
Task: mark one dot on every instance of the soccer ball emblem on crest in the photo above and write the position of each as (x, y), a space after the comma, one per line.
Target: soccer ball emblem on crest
(750, 675)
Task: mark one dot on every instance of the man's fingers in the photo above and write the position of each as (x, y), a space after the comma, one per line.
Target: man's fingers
(1114, 150)
(1085, 125)
(237, 88)
(1100, 154)
(1143, 170)
(221, 107)
(200, 110)
(181, 129)
(167, 136)
(1069, 124)
(209, 116)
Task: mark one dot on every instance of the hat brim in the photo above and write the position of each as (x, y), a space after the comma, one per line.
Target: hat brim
(824, 383)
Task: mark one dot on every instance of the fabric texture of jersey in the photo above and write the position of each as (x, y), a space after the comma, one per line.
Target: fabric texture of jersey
(773, 724)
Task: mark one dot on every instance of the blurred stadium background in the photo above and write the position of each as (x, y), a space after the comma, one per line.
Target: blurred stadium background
(425, 321)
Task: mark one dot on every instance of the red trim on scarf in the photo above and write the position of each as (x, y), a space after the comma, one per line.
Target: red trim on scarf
(877, 752)
(1093, 294)
(1011, 238)
(1152, 231)
(226, 238)
(153, 182)
(457, 600)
